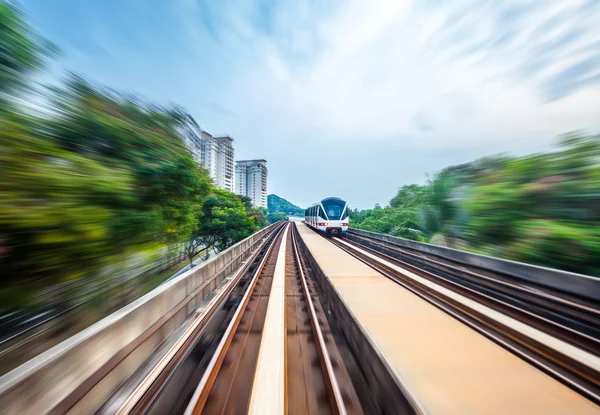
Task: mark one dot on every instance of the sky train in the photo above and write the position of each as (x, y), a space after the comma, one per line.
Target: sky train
(329, 216)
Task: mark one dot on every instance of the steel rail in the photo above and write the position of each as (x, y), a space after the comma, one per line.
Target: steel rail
(143, 393)
(200, 396)
(466, 270)
(337, 399)
(503, 301)
(565, 369)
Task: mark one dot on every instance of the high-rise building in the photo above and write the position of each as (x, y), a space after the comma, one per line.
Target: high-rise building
(251, 180)
(215, 154)
(191, 133)
(208, 154)
(225, 179)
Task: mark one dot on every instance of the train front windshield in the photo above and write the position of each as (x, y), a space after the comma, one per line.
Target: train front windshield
(334, 209)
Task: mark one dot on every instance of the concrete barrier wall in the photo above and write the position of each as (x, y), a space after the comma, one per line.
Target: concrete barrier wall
(39, 385)
(568, 282)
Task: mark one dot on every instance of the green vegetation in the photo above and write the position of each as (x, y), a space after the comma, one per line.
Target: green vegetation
(542, 209)
(22, 53)
(90, 176)
(276, 217)
(278, 204)
(222, 219)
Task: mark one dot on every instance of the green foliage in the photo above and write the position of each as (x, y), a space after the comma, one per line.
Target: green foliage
(278, 204)
(559, 244)
(97, 175)
(399, 222)
(409, 196)
(435, 208)
(276, 217)
(221, 221)
(106, 175)
(542, 209)
(22, 52)
(259, 214)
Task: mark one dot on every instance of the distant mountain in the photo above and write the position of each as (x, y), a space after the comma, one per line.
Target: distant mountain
(276, 204)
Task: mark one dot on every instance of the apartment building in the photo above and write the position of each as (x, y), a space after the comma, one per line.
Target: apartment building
(209, 150)
(224, 176)
(215, 154)
(251, 180)
(191, 133)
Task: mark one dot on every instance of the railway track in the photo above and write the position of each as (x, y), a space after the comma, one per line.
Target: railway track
(261, 344)
(276, 361)
(555, 333)
(577, 319)
(277, 336)
(227, 382)
(310, 338)
(152, 384)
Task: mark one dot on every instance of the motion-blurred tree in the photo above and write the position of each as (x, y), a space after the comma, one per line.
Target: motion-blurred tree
(542, 209)
(435, 209)
(107, 175)
(96, 174)
(22, 53)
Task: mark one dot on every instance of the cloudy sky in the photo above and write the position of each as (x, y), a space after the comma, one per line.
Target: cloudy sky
(352, 98)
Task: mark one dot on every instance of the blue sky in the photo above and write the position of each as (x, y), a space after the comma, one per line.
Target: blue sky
(349, 98)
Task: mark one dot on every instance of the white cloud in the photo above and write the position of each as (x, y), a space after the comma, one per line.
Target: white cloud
(411, 85)
(466, 77)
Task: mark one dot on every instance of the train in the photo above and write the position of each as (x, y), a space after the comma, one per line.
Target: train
(329, 216)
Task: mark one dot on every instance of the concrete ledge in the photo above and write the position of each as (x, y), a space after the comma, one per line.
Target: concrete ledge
(40, 384)
(567, 282)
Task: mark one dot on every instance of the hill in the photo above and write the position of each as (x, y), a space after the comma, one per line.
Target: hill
(278, 204)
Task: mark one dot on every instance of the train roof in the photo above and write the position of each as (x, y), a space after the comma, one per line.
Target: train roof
(327, 198)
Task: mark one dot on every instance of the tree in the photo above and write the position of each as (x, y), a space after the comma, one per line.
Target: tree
(278, 204)
(542, 208)
(409, 196)
(220, 222)
(22, 53)
(276, 217)
(257, 213)
(86, 184)
(436, 210)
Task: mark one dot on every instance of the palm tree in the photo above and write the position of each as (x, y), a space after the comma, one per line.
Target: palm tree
(436, 215)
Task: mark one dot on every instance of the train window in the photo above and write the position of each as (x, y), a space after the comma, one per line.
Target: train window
(334, 208)
(321, 213)
(345, 215)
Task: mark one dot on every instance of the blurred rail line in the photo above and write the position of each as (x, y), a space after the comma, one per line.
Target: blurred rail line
(226, 384)
(286, 321)
(304, 306)
(247, 374)
(155, 388)
(268, 308)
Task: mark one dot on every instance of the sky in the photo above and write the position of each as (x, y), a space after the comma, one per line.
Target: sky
(347, 98)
